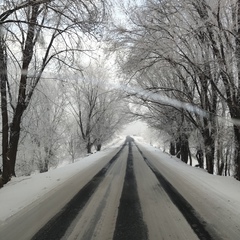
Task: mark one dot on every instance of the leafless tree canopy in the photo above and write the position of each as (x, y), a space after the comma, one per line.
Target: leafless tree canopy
(187, 51)
(35, 36)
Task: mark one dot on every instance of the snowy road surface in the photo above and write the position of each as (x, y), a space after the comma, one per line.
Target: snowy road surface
(129, 194)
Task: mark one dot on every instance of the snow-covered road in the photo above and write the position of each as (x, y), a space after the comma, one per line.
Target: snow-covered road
(142, 194)
(215, 199)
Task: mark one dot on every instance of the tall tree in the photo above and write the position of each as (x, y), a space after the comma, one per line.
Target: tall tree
(43, 128)
(96, 107)
(43, 31)
(4, 109)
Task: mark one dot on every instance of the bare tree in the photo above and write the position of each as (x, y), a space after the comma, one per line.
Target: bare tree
(165, 50)
(96, 107)
(42, 31)
(43, 128)
(114, 114)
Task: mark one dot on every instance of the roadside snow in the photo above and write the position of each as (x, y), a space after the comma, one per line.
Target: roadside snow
(219, 187)
(22, 191)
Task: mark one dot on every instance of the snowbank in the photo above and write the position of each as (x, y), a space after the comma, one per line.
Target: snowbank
(22, 191)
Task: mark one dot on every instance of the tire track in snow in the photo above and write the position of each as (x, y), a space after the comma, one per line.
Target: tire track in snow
(130, 224)
(56, 227)
(194, 220)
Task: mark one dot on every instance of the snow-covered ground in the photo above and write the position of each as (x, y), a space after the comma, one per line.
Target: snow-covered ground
(216, 199)
(221, 185)
(22, 191)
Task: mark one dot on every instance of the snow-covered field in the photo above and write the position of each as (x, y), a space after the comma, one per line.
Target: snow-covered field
(227, 187)
(22, 191)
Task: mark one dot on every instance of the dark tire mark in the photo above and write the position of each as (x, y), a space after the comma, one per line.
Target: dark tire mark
(56, 227)
(192, 217)
(90, 231)
(130, 224)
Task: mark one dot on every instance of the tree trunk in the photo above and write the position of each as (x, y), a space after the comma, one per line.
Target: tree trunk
(14, 138)
(208, 133)
(44, 166)
(21, 103)
(99, 146)
(220, 169)
(4, 111)
(200, 158)
(237, 151)
(172, 150)
(190, 156)
(178, 148)
(220, 159)
(89, 147)
(227, 161)
(184, 148)
(209, 154)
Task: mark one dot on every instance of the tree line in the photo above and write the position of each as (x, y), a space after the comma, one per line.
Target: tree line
(179, 63)
(183, 59)
(50, 98)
